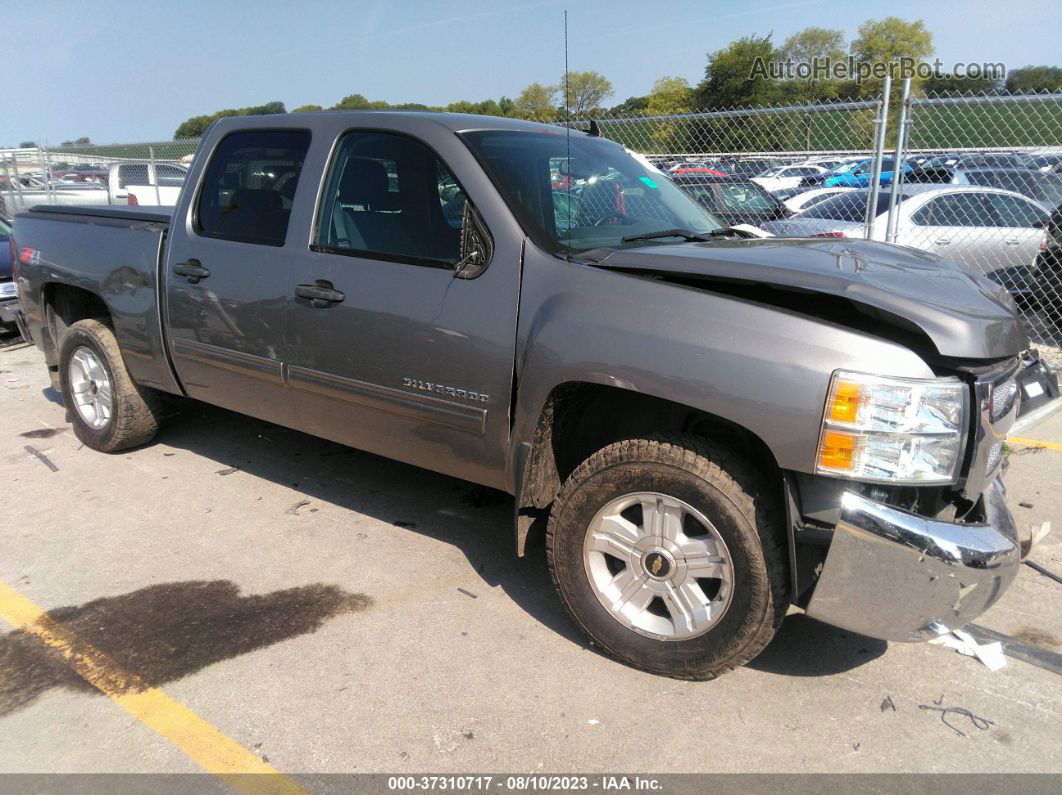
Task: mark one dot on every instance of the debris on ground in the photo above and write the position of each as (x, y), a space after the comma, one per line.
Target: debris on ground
(228, 471)
(294, 509)
(41, 457)
(887, 704)
(468, 593)
(976, 720)
(1025, 504)
(991, 654)
(1043, 571)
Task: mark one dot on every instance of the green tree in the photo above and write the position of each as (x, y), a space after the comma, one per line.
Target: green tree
(359, 102)
(307, 109)
(731, 78)
(27, 145)
(631, 106)
(585, 91)
(536, 102)
(505, 105)
(887, 41)
(813, 46)
(668, 96)
(196, 126)
(1034, 78)
(193, 127)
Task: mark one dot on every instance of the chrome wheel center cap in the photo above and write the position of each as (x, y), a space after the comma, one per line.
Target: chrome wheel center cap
(658, 563)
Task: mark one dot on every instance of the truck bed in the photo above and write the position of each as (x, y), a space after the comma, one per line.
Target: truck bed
(108, 252)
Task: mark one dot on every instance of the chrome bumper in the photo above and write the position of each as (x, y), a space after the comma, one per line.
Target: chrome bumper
(895, 575)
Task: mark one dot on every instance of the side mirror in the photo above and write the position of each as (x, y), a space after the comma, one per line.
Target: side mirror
(477, 248)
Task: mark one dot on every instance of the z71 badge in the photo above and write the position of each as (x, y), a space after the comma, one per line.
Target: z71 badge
(442, 389)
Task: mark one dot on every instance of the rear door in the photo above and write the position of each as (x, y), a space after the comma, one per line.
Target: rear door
(957, 226)
(230, 274)
(388, 350)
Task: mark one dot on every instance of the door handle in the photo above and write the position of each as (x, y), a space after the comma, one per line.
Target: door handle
(1011, 241)
(943, 241)
(321, 294)
(192, 270)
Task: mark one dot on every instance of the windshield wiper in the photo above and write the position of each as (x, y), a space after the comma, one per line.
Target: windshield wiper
(683, 233)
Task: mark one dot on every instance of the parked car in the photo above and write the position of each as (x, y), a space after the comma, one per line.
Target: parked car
(857, 175)
(146, 183)
(28, 191)
(1044, 189)
(8, 293)
(1047, 274)
(733, 199)
(994, 232)
(713, 428)
(787, 176)
(797, 199)
(683, 171)
(1048, 163)
(751, 166)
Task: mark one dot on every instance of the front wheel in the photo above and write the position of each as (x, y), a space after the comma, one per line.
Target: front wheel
(669, 553)
(109, 411)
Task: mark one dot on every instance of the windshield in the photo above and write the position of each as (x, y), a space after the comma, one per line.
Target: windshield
(592, 199)
(5, 230)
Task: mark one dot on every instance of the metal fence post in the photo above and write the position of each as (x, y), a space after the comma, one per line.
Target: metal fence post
(897, 168)
(44, 160)
(155, 172)
(10, 209)
(879, 150)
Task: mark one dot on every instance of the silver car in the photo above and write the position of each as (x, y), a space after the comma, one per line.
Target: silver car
(994, 231)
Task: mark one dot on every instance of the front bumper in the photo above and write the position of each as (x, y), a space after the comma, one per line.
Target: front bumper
(894, 575)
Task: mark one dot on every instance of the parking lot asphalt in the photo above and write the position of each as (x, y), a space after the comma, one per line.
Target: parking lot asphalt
(326, 610)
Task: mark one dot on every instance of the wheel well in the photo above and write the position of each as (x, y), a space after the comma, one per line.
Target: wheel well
(63, 306)
(578, 419)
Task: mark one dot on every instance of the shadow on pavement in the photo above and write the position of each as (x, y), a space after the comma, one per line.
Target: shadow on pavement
(475, 520)
(806, 647)
(159, 634)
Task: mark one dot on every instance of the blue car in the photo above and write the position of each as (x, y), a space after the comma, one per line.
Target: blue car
(858, 176)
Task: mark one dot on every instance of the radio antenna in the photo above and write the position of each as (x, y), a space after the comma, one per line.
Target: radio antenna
(567, 137)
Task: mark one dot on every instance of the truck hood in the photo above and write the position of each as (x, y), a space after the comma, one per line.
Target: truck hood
(963, 314)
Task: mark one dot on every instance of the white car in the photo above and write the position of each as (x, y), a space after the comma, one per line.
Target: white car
(787, 176)
(811, 197)
(996, 232)
(141, 182)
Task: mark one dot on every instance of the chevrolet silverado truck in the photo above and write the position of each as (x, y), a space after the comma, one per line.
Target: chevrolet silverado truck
(709, 428)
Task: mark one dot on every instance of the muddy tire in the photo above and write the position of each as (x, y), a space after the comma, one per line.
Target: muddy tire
(108, 410)
(669, 552)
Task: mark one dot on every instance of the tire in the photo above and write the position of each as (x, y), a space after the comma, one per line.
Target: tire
(89, 360)
(671, 472)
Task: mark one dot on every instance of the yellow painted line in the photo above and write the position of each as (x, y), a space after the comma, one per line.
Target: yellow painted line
(1034, 443)
(205, 745)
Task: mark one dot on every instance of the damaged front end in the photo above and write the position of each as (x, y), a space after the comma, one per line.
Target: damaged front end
(898, 571)
(895, 575)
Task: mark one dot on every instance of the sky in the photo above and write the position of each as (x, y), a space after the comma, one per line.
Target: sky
(121, 71)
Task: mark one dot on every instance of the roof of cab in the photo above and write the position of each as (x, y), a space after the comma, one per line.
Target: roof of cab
(456, 122)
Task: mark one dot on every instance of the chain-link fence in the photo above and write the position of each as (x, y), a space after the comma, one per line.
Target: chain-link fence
(972, 178)
(120, 174)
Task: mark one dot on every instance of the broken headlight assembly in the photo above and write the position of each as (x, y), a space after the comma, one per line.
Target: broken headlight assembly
(893, 430)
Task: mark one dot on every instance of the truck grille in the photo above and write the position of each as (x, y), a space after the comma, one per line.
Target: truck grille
(996, 399)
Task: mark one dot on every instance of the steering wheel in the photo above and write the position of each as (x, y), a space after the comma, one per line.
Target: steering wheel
(615, 214)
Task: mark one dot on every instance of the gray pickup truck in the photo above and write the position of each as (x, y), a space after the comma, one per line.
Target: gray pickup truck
(709, 428)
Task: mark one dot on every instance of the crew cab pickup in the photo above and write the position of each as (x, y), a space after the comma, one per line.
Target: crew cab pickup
(709, 428)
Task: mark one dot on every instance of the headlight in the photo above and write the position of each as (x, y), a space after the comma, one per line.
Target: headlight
(8, 290)
(892, 430)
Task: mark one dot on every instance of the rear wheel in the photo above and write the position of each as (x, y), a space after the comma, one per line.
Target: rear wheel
(669, 553)
(108, 410)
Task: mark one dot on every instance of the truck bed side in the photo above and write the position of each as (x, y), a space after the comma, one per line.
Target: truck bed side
(104, 257)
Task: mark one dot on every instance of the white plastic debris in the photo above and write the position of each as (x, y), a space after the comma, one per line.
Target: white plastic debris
(991, 654)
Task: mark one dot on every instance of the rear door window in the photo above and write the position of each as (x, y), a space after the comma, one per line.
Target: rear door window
(133, 174)
(249, 186)
(1011, 211)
